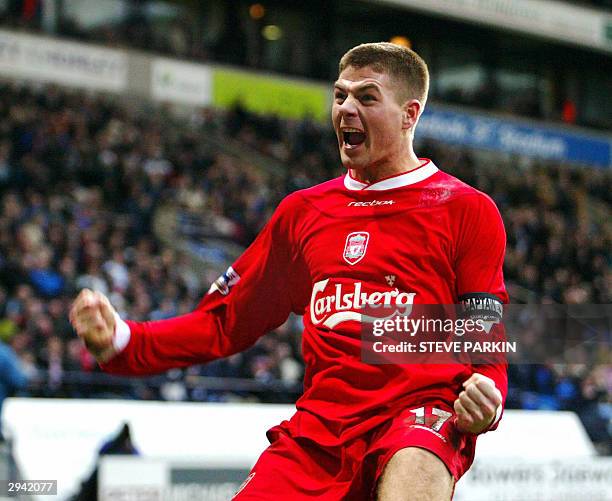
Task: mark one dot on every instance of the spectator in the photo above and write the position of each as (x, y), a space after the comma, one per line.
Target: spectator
(12, 375)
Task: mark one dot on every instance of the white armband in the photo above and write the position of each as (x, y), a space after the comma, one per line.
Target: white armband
(498, 413)
(122, 334)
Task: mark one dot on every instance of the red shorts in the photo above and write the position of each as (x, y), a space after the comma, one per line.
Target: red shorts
(298, 468)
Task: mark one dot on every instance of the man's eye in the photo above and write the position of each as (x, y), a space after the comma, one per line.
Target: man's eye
(340, 96)
(368, 97)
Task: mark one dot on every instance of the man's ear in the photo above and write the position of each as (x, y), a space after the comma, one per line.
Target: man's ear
(411, 111)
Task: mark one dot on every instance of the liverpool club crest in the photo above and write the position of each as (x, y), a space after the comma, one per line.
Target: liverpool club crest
(356, 246)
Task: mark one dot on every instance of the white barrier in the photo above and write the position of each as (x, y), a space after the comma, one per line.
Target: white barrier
(123, 478)
(559, 21)
(50, 60)
(537, 480)
(179, 82)
(59, 439)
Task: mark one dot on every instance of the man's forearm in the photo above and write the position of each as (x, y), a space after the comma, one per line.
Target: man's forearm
(154, 347)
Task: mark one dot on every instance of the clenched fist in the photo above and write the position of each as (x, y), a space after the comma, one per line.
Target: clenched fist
(477, 404)
(93, 319)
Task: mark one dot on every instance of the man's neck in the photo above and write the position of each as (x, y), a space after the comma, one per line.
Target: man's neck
(376, 173)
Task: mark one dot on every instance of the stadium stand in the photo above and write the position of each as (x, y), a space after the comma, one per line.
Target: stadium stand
(84, 179)
(555, 83)
(118, 193)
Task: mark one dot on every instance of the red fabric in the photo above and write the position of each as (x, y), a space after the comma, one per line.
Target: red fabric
(569, 112)
(301, 469)
(30, 8)
(437, 239)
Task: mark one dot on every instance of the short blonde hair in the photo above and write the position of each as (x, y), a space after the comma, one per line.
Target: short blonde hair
(404, 65)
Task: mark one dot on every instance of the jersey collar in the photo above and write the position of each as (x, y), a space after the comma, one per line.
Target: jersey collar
(425, 170)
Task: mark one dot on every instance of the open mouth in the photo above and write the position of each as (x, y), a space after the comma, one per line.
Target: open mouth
(352, 137)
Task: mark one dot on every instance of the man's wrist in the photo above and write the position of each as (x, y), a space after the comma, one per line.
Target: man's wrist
(498, 413)
(121, 335)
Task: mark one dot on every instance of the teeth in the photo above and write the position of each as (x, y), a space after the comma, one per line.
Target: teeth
(350, 129)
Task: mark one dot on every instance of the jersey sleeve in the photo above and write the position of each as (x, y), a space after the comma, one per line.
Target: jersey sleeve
(479, 274)
(481, 249)
(254, 296)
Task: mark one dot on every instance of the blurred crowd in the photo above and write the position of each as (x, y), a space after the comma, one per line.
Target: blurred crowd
(83, 180)
(307, 39)
(80, 182)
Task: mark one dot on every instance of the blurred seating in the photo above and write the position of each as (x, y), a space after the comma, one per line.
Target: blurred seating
(82, 177)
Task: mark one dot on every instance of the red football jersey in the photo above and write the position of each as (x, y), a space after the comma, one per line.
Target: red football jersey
(422, 237)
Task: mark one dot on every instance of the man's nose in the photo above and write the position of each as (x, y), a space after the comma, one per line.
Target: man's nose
(349, 106)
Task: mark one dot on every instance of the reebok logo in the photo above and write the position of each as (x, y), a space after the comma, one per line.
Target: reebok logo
(372, 203)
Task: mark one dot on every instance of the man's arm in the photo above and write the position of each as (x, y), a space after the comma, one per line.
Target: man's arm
(479, 270)
(253, 297)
